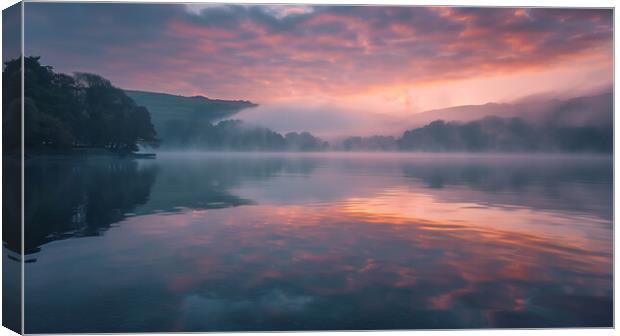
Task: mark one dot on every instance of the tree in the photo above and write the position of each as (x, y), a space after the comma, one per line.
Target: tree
(62, 111)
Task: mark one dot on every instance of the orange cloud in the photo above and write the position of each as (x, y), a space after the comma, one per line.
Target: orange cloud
(268, 53)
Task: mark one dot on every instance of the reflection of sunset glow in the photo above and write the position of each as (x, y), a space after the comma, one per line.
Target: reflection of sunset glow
(301, 243)
(400, 206)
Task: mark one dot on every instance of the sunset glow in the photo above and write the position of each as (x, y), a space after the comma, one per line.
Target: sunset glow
(350, 61)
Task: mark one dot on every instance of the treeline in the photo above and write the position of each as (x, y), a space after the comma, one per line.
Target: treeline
(490, 134)
(63, 112)
(236, 136)
(86, 110)
(372, 143)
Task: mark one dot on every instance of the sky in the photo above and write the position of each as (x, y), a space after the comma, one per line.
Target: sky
(327, 69)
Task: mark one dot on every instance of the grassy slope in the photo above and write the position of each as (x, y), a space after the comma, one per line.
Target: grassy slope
(165, 107)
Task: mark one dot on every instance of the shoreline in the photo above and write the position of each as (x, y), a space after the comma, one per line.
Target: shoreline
(106, 152)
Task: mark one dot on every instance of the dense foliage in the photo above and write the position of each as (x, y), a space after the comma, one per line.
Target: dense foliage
(84, 110)
(234, 135)
(507, 135)
(372, 143)
(492, 134)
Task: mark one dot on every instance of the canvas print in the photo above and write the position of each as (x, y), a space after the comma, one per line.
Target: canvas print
(253, 167)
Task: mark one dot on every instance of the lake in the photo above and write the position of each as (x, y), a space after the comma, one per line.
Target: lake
(238, 242)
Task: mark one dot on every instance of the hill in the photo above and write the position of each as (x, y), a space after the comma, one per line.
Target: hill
(594, 110)
(167, 109)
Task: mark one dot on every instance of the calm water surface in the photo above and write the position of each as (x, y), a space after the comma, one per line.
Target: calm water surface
(320, 241)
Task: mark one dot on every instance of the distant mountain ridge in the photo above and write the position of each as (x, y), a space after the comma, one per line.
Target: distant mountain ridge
(594, 110)
(579, 124)
(168, 108)
(533, 124)
(202, 123)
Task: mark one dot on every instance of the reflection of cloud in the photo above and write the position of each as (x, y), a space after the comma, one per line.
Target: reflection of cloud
(204, 313)
(401, 206)
(273, 301)
(553, 184)
(540, 182)
(285, 268)
(332, 254)
(384, 253)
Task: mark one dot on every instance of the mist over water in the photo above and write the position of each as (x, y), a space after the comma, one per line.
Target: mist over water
(291, 241)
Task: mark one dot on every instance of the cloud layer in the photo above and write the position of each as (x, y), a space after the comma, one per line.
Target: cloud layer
(284, 52)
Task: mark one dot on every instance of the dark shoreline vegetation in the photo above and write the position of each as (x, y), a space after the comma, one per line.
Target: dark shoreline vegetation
(63, 112)
(86, 114)
(491, 134)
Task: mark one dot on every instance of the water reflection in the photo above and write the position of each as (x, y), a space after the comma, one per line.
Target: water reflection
(324, 242)
(209, 181)
(80, 197)
(11, 205)
(556, 183)
(11, 244)
(84, 197)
